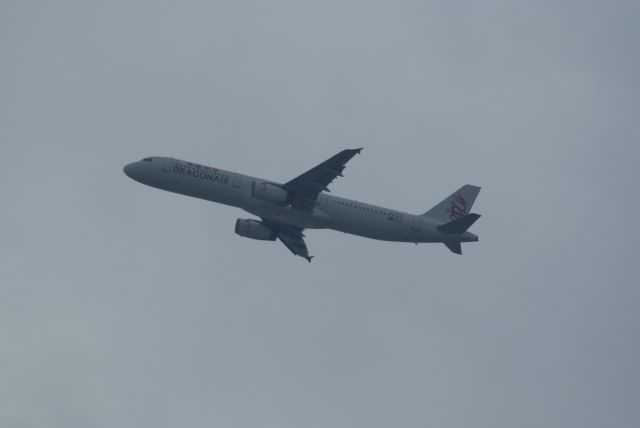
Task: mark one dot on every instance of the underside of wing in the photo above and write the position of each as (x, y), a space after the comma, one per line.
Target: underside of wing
(292, 237)
(305, 188)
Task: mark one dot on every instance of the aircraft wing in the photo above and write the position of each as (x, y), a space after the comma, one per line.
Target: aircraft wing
(306, 187)
(291, 236)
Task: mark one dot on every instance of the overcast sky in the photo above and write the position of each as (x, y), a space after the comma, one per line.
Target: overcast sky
(125, 306)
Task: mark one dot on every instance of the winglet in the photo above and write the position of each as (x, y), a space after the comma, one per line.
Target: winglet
(308, 258)
(359, 150)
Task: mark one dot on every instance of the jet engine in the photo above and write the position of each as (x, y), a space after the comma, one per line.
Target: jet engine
(269, 192)
(254, 229)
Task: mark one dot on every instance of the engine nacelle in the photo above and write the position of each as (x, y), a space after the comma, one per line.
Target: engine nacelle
(254, 229)
(270, 193)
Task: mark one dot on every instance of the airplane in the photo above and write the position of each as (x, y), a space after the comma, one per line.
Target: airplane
(286, 209)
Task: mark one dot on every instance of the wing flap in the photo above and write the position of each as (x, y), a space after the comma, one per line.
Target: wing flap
(295, 244)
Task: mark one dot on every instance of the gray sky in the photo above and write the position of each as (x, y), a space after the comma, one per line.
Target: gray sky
(121, 305)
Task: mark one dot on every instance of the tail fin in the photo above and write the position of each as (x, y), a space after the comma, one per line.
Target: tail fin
(455, 206)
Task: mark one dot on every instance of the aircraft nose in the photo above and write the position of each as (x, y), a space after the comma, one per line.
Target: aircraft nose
(130, 169)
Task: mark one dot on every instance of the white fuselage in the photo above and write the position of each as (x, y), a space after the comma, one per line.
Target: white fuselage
(330, 211)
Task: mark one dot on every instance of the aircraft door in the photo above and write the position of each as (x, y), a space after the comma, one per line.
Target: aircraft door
(167, 165)
(237, 180)
(417, 223)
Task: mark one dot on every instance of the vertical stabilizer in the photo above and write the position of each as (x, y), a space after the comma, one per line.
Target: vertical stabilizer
(455, 206)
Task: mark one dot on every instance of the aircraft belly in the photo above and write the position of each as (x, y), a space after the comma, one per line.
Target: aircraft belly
(380, 226)
(387, 232)
(370, 226)
(317, 219)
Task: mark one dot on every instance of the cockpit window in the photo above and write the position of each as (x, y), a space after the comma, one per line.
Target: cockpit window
(147, 160)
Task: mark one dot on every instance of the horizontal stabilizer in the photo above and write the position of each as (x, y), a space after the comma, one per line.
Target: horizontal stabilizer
(455, 247)
(459, 225)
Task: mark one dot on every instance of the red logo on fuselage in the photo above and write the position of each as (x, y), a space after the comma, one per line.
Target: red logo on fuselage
(458, 208)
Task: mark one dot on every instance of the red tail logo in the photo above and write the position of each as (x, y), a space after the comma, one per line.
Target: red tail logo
(458, 208)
